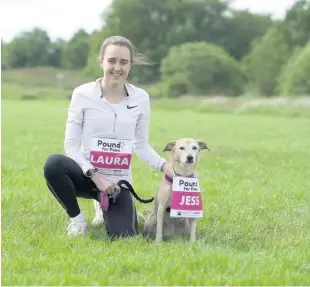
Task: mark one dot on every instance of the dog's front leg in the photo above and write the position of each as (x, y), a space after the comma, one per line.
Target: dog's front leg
(150, 225)
(160, 223)
(192, 229)
(98, 218)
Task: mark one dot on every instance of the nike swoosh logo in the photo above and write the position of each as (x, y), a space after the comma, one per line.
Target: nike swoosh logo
(128, 107)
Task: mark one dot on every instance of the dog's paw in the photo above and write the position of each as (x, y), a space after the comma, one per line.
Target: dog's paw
(158, 240)
(192, 240)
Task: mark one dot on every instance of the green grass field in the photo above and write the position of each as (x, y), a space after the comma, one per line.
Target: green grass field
(256, 193)
(44, 77)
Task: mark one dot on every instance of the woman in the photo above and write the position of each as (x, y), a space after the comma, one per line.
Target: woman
(111, 118)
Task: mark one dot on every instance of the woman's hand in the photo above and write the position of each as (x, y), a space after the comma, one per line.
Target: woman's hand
(104, 185)
(166, 169)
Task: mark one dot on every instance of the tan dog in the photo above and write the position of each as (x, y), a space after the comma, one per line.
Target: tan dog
(184, 161)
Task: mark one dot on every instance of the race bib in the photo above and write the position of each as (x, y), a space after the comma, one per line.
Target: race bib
(186, 198)
(111, 156)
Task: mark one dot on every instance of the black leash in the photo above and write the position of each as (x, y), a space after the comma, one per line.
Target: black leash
(130, 188)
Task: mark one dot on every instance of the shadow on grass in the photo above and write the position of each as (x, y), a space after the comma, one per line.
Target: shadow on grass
(99, 232)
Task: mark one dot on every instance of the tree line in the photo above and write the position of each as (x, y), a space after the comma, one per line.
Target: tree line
(197, 46)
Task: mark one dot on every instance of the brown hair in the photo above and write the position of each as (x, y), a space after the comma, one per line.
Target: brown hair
(136, 58)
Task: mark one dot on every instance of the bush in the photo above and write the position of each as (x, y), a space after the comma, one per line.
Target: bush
(294, 79)
(155, 90)
(176, 85)
(201, 68)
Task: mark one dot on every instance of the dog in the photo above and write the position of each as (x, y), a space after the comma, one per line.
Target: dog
(185, 156)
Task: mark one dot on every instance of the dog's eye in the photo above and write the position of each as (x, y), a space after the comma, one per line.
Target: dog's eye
(194, 147)
(182, 147)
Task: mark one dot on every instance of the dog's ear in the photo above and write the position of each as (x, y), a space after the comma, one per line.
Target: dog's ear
(169, 146)
(202, 145)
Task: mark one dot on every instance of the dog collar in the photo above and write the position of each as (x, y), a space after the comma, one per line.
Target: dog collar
(169, 179)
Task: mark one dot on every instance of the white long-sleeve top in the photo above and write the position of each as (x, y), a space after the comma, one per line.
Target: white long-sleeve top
(90, 115)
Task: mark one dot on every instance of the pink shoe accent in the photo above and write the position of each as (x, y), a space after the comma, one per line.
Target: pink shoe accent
(104, 201)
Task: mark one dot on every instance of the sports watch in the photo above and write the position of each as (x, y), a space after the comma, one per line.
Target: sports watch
(91, 172)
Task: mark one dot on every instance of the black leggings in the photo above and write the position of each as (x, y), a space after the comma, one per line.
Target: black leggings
(66, 181)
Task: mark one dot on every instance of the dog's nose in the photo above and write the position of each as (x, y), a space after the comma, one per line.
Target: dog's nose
(190, 158)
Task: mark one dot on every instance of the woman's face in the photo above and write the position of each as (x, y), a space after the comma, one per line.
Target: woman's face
(116, 64)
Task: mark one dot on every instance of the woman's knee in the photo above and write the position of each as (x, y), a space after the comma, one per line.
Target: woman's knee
(54, 163)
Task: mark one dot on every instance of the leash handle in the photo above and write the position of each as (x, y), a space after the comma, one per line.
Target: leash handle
(136, 196)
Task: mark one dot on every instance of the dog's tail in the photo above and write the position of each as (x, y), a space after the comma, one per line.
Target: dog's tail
(136, 196)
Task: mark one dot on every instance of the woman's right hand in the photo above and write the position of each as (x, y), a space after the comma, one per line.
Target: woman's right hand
(103, 184)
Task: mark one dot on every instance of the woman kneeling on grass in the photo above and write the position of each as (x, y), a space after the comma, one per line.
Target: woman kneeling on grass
(111, 117)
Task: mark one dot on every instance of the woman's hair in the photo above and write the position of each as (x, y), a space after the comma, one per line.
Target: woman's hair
(136, 58)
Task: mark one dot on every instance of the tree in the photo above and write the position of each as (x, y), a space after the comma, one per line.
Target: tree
(155, 26)
(76, 50)
(242, 28)
(56, 54)
(266, 59)
(297, 21)
(29, 49)
(4, 55)
(294, 79)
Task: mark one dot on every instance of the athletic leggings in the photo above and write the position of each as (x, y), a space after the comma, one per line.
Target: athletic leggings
(66, 181)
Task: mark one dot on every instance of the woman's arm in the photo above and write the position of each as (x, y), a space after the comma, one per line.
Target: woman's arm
(73, 132)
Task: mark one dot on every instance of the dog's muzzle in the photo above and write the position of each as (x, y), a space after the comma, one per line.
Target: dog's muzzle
(189, 159)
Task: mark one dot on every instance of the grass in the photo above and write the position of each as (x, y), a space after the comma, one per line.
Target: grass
(44, 77)
(16, 92)
(278, 106)
(41, 83)
(256, 194)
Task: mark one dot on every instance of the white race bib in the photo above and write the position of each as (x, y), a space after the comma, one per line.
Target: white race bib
(111, 156)
(186, 198)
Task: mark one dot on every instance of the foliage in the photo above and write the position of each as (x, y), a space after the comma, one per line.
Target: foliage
(29, 49)
(156, 26)
(297, 22)
(266, 59)
(294, 79)
(201, 68)
(242, 29)
(76, 51)
(262, 45)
